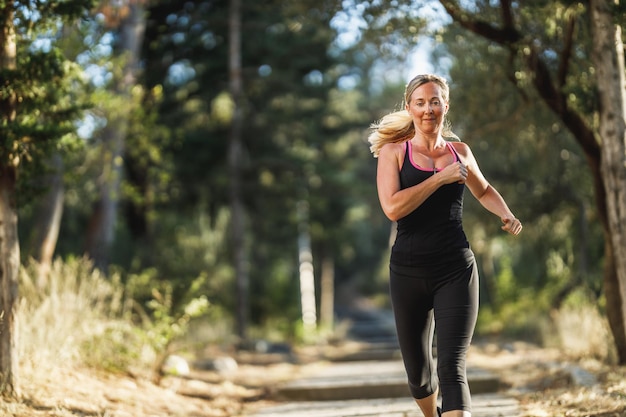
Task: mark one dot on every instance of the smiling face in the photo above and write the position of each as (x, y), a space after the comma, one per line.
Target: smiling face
(428, 105)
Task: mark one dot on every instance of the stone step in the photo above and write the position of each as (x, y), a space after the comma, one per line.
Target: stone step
(483, 405)
(374, 352)
(365, 379)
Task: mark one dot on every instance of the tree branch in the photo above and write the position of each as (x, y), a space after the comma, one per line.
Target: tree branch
(552, 95)
(557, 101)
(507, 14)
(506, 36)
(567, 51)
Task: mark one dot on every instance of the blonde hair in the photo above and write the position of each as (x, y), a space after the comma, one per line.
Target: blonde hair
(398, 126)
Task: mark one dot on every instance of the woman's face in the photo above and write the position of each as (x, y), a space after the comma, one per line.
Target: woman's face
(427, 107)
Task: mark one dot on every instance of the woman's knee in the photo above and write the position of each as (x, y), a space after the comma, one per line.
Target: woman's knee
(451, 369)
(422, 391)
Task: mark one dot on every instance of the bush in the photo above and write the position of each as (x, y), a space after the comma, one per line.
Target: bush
(581, 330)
(59, 314)
(75, 316)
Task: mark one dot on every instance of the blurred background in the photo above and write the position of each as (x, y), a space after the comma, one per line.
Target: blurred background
(210, 184)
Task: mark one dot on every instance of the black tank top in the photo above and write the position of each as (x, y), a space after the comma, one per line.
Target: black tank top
(434, 229)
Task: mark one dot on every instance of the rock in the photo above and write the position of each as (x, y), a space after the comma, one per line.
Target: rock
(225, 364)
(176, 365)
(581, 377)
(221, 364)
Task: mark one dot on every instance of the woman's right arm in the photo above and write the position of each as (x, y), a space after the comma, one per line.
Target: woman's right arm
(397, 203)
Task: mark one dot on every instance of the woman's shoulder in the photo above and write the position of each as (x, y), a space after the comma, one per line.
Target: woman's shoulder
(395, 148)
(461, 148)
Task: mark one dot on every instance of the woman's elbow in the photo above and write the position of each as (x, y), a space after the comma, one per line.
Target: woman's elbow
(392, 214)
(393, 217)
(482, 192)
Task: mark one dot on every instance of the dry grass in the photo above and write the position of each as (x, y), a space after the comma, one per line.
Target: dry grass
(81, 355)
(549, 383)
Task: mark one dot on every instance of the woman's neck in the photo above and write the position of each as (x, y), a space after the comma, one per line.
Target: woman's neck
(428, 142)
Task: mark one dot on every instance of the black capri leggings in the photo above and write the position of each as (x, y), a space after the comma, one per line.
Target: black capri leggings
(447, 292)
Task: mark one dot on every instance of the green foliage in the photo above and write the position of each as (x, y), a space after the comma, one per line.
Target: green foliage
(302, 135)
(46, 107)
(188, 255)
(144, 335)
(159, 319)
(506, 287)
(46, 15)
(309, 97)
(41, 92)
(116, 347)
(523, 318)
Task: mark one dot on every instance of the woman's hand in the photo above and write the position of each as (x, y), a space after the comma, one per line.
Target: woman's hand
(512, 225)
(456, 172)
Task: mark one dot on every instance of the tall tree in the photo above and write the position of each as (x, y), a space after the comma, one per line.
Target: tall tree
(37, 110)
(608, 59)
(287, 77)
(47, 213)
(547, 57)
(9, 245)
(48, 218)
(238, 218)
(128, 19)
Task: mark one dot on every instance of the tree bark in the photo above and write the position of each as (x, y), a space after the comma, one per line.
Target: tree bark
(235, 152)
(608, 60)
(9, 243)
(9, 270)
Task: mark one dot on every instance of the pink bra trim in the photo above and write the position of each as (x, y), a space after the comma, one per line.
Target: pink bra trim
(409, 150)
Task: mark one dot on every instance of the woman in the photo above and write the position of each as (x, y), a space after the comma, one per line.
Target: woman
(433, 275)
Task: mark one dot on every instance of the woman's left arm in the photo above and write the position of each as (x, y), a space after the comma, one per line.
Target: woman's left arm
(485, 193)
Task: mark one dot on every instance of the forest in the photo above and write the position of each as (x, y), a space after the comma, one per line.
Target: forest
(200, 169)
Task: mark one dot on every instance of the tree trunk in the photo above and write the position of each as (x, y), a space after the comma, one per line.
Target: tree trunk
(327, 294)
(9, 270)
(307, 276)
(234, 162)
(9, 243)
(101, 232)
(608, 59)
(613, 301)
(101, 229)
(48, 221)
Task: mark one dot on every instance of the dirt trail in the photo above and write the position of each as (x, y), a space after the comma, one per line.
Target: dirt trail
(544, 381)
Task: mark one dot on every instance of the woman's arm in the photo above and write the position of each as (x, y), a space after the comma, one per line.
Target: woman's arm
(485, 193)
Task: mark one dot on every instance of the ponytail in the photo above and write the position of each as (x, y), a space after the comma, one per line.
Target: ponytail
(393, 128)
